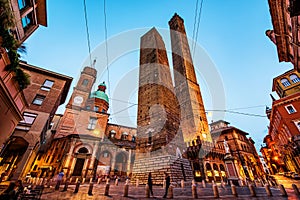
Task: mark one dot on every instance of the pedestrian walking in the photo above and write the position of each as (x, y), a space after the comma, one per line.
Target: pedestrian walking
(150, 183)
(168, 183)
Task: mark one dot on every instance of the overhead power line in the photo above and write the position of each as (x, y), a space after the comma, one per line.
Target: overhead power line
(106, 45)
(87, 31)
(194, 27)
(198, 24)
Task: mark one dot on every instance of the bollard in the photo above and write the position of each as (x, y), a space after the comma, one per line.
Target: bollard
(137, 183)
(216, 191)
(106, 193)
(90, 192)
(240, 183)
(77, 187)
(194, 191)
(233, 190)
(223, 184)
(57, 184)
(147, 191)
(66, 186)
(182, 183)
(116, 182)
(282, 191)
(268, 190)
(203, 184)
(252, 190)
(296, 190)
(48, 183)
(170, 192)
(126, 187)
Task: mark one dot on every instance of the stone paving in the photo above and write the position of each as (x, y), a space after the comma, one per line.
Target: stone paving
(116, 192)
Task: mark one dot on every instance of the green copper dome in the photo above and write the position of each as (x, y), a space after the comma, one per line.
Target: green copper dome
(100, 95)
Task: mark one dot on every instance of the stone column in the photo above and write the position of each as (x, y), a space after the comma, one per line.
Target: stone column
(113, 160)
(85, 167)
(71, 168)
(69, 154)
(129, 162)
(92, 160)
(23, 166)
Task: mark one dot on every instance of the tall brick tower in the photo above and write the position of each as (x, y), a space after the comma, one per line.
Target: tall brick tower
(159, 138)
(193, 118)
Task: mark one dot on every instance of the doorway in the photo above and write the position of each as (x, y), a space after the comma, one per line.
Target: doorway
(78, 167)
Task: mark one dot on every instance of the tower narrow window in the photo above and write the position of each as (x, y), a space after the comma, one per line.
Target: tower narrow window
(85, 82)
(92, 123)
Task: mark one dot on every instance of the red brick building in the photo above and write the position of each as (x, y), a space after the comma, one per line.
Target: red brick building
(282, 148)
(46, 92)
(81, 141)
(27, 16)
(286, 33)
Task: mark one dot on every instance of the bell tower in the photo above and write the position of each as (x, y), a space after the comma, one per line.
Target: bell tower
(193, 118)
(83, 88)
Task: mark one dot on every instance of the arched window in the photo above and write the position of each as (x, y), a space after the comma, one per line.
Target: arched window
(83, 150)
(208, 167)
(124, 136)
(222, 168)
(112, 134)
(215, 166)
(294, 78)
(285, 82)
(133, 139)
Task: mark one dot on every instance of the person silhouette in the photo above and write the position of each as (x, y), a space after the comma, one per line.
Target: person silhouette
(168, 183)
(150, 183)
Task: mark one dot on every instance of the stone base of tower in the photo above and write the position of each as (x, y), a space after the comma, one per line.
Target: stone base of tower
(178, 169)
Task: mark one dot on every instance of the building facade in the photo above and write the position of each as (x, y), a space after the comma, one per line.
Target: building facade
(46, 92)
(26, 16)
(281, 151)
(82, 143)
(285, 16)
(241, 147)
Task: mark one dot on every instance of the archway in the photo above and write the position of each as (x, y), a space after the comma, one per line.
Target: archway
(82, 152)
(12, 154)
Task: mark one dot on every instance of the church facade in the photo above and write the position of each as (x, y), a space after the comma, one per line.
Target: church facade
(81, 142)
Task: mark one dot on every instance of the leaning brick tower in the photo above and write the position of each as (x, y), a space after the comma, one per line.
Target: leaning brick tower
(159, 138)
(193, 121)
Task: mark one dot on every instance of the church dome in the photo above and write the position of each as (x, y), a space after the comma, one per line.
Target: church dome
(100, 93)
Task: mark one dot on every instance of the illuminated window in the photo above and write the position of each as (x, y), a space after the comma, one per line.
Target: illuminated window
(92, 123)
(294, 78)
(47, 85)
(28, 120)
(38, 100)
(285, 82)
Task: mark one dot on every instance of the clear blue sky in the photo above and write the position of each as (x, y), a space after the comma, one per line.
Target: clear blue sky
(232, 33)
